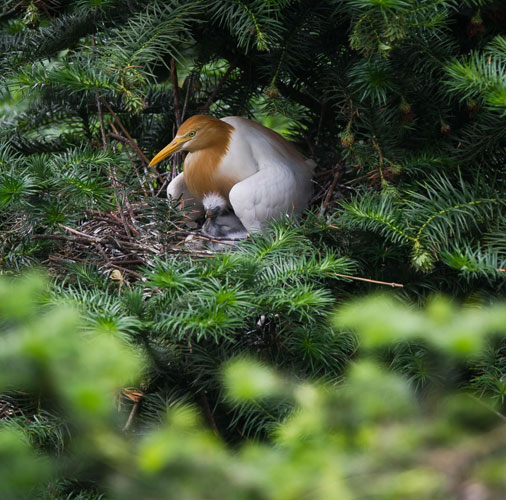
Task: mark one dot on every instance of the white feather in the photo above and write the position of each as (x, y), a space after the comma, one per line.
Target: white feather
(281, 182)
(214, 202)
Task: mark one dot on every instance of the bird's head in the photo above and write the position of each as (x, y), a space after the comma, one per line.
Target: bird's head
(198, 132)
(214, 205)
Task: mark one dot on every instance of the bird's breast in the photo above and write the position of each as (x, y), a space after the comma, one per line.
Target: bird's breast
(203, 174)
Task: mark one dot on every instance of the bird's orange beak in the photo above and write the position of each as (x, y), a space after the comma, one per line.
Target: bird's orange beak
(173, 147)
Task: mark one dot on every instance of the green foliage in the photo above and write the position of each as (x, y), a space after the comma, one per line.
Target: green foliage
(481, 75)
(374, 422)
(429, 219)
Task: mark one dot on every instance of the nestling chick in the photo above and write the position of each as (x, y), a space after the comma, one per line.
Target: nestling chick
(221, 221)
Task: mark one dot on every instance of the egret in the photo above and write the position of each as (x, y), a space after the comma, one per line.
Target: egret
(260, 174)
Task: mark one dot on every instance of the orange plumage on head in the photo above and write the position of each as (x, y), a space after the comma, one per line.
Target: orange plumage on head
(207, 147)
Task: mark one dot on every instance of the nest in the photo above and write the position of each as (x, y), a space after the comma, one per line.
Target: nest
(120, 242)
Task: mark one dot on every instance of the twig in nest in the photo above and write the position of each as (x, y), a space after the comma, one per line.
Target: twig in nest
(59, 237)
(117, 186)
(83, 235)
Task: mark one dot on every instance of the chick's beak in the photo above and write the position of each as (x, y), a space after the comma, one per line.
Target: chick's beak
(173, 147)
(211, 213)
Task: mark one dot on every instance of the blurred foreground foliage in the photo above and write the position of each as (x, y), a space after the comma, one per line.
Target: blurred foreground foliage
(374, 436)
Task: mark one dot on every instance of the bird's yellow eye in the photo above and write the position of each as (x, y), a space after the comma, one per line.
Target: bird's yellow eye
(192, 133)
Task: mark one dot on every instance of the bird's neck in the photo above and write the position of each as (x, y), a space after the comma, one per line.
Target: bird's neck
(202, 171)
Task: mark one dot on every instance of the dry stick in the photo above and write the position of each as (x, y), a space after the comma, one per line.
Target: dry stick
(134, 146)
(356, 179)
(176, 160)
(133, 412)
(104, 255)
(164, 184)
(109, 218)
(188, 87)
(125, 201)
(83, 235)
(59, 237)
(208, 413)
(129, 261)
(44, 8)
(101, 120)
(330, 191)
(124, 140)
(113, 171)
(118, 187)
(212, 97)
(9, 12)
(175, 92)
(368, 280)
(207, 238)
(132, 143)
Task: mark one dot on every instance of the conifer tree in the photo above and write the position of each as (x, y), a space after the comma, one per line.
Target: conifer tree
(400, 103)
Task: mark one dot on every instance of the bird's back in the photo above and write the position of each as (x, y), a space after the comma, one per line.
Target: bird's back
(263, 144)
(276, 178)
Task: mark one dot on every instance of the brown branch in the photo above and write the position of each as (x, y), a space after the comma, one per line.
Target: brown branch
(124, 199)
(208, 413)
(83, 235)
(59, 237)
(132, 216)
(369, 280)
(101, 120)
(330, 191)
(187, 94)
(129, 261)
(120, 138)
(9, 12)
(133, 412)
(117, 186)
(214, 93)
(175, 92)
(132, 142)
(125, 140)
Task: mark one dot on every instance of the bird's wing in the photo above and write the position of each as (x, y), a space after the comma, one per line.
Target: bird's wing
(191, 205)
(273, 191)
